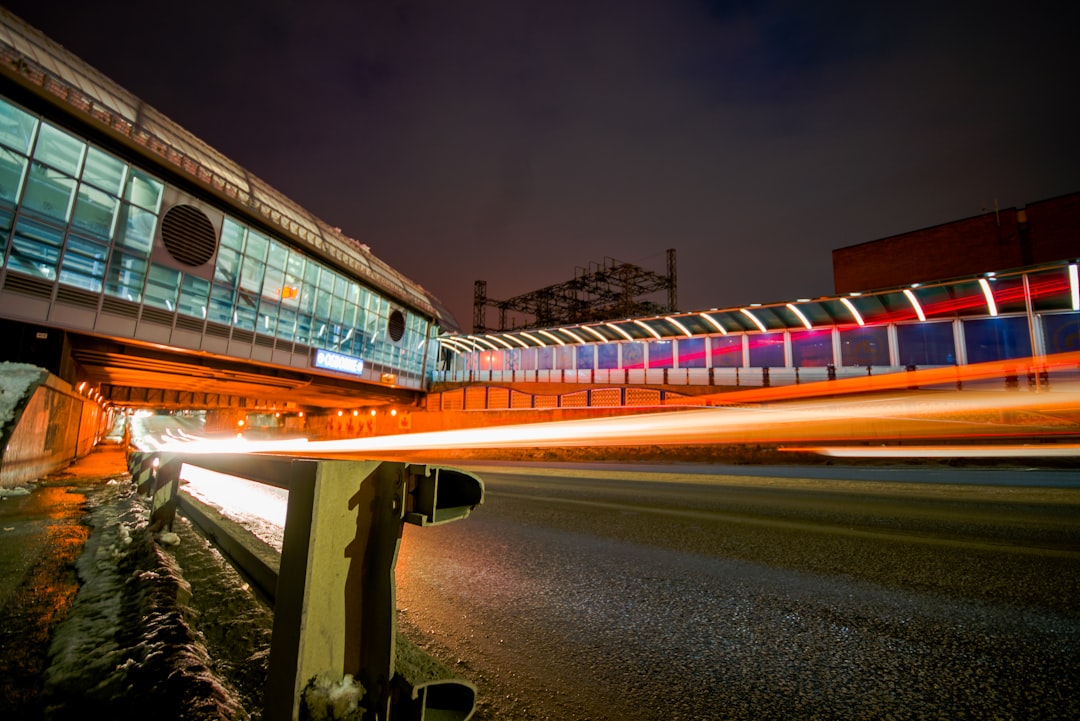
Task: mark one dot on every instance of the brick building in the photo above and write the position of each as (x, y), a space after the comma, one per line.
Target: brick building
(1041, 232)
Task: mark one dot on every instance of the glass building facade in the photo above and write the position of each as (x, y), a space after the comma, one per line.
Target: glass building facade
(89, 223)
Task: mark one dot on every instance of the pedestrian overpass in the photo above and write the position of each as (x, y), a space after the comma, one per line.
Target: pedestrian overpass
(143, 264)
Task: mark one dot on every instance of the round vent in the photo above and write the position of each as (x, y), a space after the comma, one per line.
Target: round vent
(188, 235)
(395, 326)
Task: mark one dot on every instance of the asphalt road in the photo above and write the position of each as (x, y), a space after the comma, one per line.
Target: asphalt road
(630, 592)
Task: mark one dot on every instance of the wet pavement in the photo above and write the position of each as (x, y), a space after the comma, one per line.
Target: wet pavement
(42, 535)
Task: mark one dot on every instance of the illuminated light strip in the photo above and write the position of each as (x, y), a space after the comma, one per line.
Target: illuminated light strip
(989, 294)
(1074, 286)
(854, 313)
(453, 344)
(620, 331)
(680, 326)
(500, 341)
(460, 341)
(915, 304)
(648, 330)
(568, 332)
(488, 343)
(599, 335)
(799, 313)
(535, 340)
(517, 340)
(754, 318)
(715, 323)
(552, 336)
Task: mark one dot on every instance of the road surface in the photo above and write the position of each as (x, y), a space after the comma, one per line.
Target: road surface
(630, 592)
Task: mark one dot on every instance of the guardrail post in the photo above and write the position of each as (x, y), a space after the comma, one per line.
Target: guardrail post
(335, 606)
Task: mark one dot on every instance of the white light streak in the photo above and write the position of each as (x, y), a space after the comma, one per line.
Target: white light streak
(500, 341)
(1074, 286)
(991, 305)
(680, 326)
(854, 312)
(715, 323)
(799, 314)
(751, 316)
(620, 331)
(487, 343)
(598, 334)
(648, 329)
(915, 304)
(552, 336)
(573, 335)
(534, 339)
(517, 340)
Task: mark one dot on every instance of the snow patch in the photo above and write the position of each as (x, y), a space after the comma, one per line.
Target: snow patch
(326, 697)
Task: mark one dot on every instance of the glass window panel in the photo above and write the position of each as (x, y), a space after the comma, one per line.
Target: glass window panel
(528, 359)
(546, 358)
(766, 350)
(633, 355)
(12, 174)
(244, 313)
(257, 245)
(35, 249)
(273, 287)
(162, 286)
(59, 150)
(83, 265)
(990, 339)
(726, 351)
(322, 305)
(607, 356)
(49, 192)
(660, 354)
(303, 329)
(277, 256)
(144, 191)
(691, 352)
(232, 235)
(268, 313)
(865, 346)
(227, 270)
(585, 356)
(251, 276)
(926, 344)
(222, 300)
(286, 326)
(194, 295)
(7, 217)
(137, 229)
(16, 127)
(1009, 294)
(95, 212)
(125, 276)
(312, 271)
(104, 172)
(812, 349)
(1061, 332)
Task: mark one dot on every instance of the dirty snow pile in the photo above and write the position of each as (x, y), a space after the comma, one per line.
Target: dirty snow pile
(15, 380)
(128, 648)
(326, 699)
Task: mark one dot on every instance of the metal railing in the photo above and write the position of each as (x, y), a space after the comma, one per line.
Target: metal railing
(332, 586)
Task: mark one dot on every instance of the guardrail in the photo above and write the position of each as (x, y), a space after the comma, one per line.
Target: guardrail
(333, 589)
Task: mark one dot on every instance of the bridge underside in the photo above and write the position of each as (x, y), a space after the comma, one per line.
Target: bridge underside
(140, 376)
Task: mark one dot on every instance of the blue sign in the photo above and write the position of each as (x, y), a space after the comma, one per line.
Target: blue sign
(339, 362)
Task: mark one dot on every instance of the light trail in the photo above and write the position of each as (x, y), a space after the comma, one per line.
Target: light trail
(1056, 450)
(854, 411)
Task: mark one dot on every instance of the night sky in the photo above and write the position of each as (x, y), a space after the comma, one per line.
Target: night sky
(514, 141)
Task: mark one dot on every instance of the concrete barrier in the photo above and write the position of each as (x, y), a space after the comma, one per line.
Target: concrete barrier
(46, 426)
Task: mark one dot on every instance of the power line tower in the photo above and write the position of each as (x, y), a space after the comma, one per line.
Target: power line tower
(606, 291)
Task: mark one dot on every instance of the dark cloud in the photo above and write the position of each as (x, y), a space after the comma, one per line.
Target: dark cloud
(515, 141)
